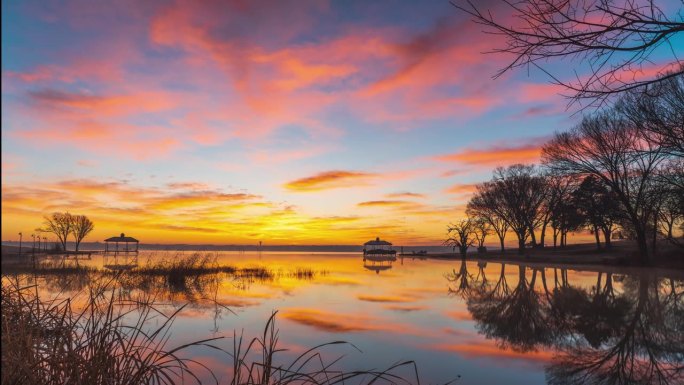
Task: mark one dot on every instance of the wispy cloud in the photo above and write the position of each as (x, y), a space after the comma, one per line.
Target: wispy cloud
(461, 189)
(330, 180)
(392, 203)
(405, 194)
(476, 349)
(525, 151)
(384, 298)
(333, 322)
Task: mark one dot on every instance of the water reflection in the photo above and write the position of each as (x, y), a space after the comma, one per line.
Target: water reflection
(497, 323)
(598, 335)
(378, 263)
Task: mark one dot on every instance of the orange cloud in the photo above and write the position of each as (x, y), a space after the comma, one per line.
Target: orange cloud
(498, 155)
(332, 322)
(383, 298)
(383, 203)
(462, 189)
(324, 321)
(405, 194)
(485, 350)
(404, 308)
(329, 180)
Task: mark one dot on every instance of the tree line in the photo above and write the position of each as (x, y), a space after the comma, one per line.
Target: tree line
(63, 225)
(621, 167)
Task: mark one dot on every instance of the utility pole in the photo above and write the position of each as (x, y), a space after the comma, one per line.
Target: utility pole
(20, 235)
(33, 251)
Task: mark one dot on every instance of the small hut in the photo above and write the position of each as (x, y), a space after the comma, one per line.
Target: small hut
(127, 246)
(121, 244)
(379, 248)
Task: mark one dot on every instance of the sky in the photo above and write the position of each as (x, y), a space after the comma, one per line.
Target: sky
(286, 122)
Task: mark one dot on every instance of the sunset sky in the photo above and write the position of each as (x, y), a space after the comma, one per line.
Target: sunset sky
(224, 122)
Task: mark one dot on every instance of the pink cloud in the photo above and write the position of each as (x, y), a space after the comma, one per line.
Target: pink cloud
(488, 350)
(498, 154)
(386, 76)
(462, 189)
(118, 140)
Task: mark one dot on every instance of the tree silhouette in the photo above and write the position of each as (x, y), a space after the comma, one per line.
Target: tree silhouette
(81, 226)
(609, 148)
(461, 236)
(614, 40)
(520, 193)
(59, 224)
(598, 206)
(483, 205)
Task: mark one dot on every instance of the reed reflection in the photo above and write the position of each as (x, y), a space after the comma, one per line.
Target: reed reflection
(624, 329)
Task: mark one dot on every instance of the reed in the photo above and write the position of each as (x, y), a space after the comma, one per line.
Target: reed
(105, 342)
(108, 339)
(255, 363)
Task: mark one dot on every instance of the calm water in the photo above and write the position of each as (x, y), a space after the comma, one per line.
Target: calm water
(489, 323)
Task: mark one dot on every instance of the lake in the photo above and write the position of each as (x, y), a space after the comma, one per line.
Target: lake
(476, 322)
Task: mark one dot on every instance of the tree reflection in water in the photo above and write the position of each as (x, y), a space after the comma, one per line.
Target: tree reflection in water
(633, 334)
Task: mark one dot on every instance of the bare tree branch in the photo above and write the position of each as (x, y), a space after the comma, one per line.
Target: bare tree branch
(615, 39)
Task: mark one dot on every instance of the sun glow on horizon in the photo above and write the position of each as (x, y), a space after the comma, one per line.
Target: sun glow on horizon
(330, 123)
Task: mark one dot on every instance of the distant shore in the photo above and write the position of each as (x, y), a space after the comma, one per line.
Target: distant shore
(98, 246)
(621, 253)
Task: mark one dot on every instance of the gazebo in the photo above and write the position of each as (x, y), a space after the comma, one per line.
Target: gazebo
(379, 248)
(126, 244)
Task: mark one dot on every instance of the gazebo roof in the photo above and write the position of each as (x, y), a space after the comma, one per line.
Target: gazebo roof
(122, 238)
(377, 242)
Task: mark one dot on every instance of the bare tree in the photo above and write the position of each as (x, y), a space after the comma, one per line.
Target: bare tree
(460, 235)
(608, 147)
(518, 199)
(59, 224)
(659, 110)
(670, 211)
(560, 214)
(80, 227)
(482, 228)
(615, 39)
(484, 205)
(565, 219)
(598, 207)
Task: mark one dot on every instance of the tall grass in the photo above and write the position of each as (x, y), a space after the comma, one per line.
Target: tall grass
(106, 342)
(309, 367)
(109, 341)
(109, 338)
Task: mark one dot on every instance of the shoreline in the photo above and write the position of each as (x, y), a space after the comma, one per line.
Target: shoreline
(621, 253)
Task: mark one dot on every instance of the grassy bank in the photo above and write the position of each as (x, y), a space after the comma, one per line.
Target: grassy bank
(621, 253)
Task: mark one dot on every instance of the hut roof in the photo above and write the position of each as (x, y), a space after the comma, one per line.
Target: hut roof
(122, 238)
(377, 242)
